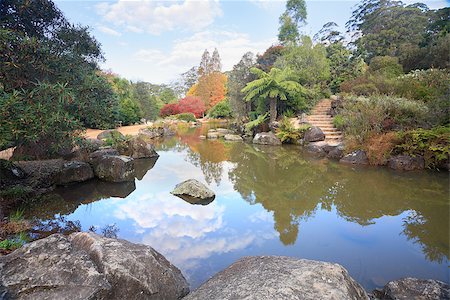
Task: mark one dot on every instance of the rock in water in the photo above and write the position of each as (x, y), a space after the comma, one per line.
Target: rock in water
(137, 147)
(74, 171)
(194, 192)
(314, 134)
(233, 137)
(413, 288)
(115, 168)
(88, 266)
(406, 163)
(358, 157)
(266, 138)
(277, 277)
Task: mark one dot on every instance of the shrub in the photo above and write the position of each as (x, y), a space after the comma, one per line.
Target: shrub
(221, 110)
(387, 66)
(188, 117)
(118, 141)
(365, 89)
(189, 104)
(432, 144)
(380, 146)
(14, 243)
(339, 122)
(287, 132)
(169, 110)
(255, 123)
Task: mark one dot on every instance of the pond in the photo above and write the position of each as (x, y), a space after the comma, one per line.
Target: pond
(270, 200)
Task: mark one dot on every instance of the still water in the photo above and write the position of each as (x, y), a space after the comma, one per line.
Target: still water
(379, 224)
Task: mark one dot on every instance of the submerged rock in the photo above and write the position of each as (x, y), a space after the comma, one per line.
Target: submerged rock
(413, 288)
(277, 277)
(115, 168)
(357, 157)
(194, 192)
(74, 171)
(406, 163)
(107, 134)
(233, 137)
(314, 134)
(266, 138)
(88, 266)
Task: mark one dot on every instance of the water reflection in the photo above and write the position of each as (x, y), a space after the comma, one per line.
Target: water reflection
(380, 224)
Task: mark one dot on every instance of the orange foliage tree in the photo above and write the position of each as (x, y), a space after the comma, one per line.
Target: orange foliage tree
(211, 88)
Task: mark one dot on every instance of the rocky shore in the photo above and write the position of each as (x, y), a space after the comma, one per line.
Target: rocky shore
(89, 266)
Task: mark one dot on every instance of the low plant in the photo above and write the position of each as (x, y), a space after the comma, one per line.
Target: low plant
(432, 144)
(188, 117)
(288, 134)
(14, 243)
(339, 122)
(379, 147)
(255, 123)
(117, 141)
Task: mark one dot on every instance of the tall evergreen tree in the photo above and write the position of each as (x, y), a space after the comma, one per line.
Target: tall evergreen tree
(215, 65)
(203, 69)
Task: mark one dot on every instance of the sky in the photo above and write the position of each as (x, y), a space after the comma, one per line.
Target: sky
(156, 41)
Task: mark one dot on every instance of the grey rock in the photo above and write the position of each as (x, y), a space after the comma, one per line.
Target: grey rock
(109, 134)
(336, 153)
(41, 174)
(413, 288)
(406, 163)
(224, 131)
(114, 168)
(137, 147)
(317, 148)
(194, 192)
(213, 135)
(152, 132)
(202, 137)
(74, 171)
(97, 155)
(233, 137)
(314, 134)
(357, 157)
(276, 277)
(266, 138)
(10, 173)
(88, 266)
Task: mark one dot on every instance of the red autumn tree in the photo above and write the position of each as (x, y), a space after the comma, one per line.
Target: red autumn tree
(169, 109)
(192, 104)
(189, 104)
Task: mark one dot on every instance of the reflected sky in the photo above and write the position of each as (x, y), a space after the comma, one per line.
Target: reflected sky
(379, 224)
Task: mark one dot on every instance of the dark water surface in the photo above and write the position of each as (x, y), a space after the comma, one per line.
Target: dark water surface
(379, 224)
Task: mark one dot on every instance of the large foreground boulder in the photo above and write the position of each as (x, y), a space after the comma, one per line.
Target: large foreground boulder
(314, 134)
(194, 192)
(88, 266)
(413, 288)
(358, 157)
(137, 147)
(266, 138)
(276, 277)
(406, 163)
(115, 168)
(74, 171)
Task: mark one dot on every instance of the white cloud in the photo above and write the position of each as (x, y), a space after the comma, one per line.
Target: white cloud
(108, 30)
(159, 16)
(185, 53)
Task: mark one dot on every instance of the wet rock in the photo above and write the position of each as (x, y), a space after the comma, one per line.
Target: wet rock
(137, 147)
(74, 171)
(224, 131)
(413, 288)
(88, 266)
(336, 153)
(276, 277)
(194, 192)
(114, 168)
(10, 173)
(202, 137)
(233, 137)
(41, 174)
(96, 155)
(357, 157)
(266, 138)
(317, 148)
(213, 135)
(314, 134)
(107, 134)
(142, 166)
(152, 132)
(406, 163)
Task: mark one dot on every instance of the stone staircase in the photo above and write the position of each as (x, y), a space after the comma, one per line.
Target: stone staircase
(320, 117)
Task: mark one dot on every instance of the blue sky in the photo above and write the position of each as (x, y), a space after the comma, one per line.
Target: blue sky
(155, 41)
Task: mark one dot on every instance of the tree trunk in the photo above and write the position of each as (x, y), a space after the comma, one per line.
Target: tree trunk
(273, 109)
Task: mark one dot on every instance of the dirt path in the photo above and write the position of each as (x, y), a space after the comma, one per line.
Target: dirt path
(131, 130)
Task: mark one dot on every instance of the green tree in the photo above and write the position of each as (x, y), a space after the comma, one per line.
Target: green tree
(291, 20)
(275, 85)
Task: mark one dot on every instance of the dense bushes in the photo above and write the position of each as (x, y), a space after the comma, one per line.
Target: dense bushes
(188, 117)
(220, 111)
(288, 134)
(433, 145)
(189, 104)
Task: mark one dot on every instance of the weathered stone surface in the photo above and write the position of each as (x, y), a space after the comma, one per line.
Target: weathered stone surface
(202, 137)
(276, 277)
(74, 171)
(157, 131)
(316, 148)
(41, 174)
(233, 137)
(96, 155)
(10, 173)
(224, 131)
(406, 163)
(314, 134)
(213, 135)
(336, 152)
(266, 138)
(114, 168)
(413, 288)
(357, 157)
(137, 147)
(194, 192)
(109, 134)
(88, 266)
